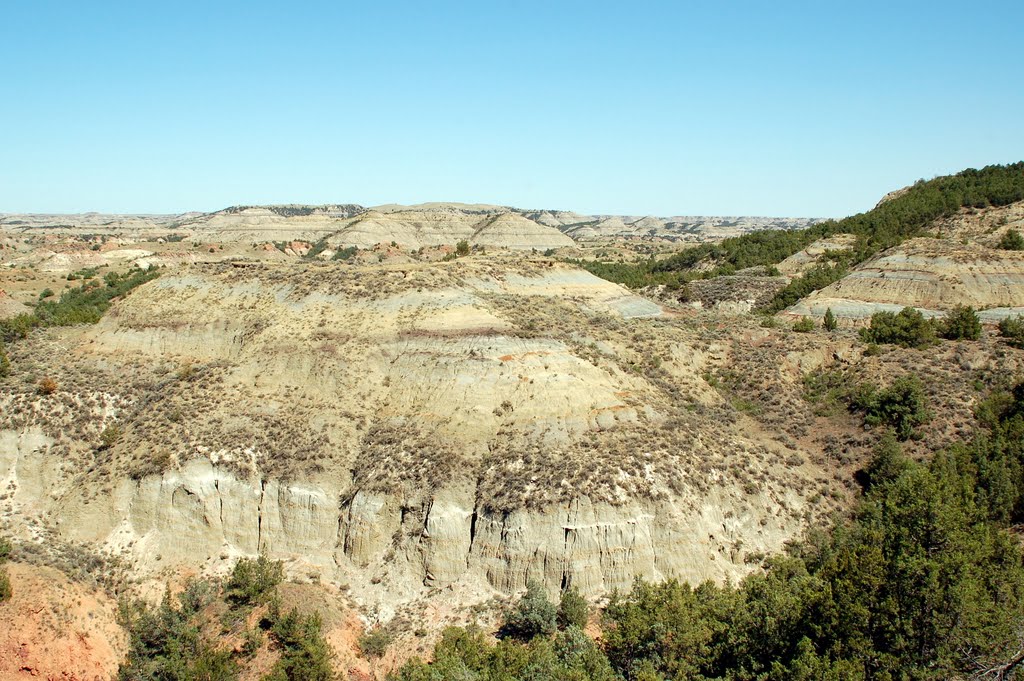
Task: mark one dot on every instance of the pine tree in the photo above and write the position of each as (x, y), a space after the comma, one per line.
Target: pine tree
(572, 609)
(534, 615)
(829, 322)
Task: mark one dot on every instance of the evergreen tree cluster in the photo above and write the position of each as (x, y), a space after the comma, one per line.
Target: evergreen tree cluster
(172, 641)
(1012, 241)
(1012, 329)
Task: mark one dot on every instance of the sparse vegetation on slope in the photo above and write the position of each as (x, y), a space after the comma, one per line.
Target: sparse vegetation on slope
(87, 303)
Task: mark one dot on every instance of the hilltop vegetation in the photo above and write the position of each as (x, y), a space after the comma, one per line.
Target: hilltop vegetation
(83, 305)
(887, 225)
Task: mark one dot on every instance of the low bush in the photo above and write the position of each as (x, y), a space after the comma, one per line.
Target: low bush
(961, 323)
(534, 615)
(804, 325)
(1012, 329)
(253, 580)
(907, 328)
(1012, 241)
(375, 642)
(46, 386)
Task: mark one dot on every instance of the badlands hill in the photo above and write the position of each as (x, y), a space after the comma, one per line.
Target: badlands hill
(479, 423)
(958, 263)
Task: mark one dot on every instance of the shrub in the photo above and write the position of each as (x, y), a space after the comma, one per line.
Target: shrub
(5, 580)
(375, 642)
(47, 386)
(110, 436)
(1012, 329)
(907, 328)
(345, 253)
(829, 323)
(805, 325)
(572, 609)
(305, 655)
(253, 579)
(961, 323)
(14, 328)
(873, 350)
(462, 248)
(534, 615)
(902, 406)
(1012, 241)
(5, 363)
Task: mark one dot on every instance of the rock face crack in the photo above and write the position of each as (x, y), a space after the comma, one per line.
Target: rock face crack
(220, 499)
(566, 558)
(472, 531)
(259, 516)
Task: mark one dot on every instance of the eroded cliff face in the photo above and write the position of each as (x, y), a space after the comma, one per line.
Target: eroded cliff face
(401, 432)
(391, 549)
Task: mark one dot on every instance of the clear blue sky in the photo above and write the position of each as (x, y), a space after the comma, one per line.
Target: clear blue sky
(766, 108)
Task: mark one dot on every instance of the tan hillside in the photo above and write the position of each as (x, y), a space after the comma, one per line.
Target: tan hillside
(444, 224)
(511, 230)
(10, 307)
(263, 224)
(411, 228)
(930, 274)
(399, 429)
